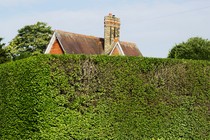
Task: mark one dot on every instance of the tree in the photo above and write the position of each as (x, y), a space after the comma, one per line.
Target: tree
(3, 54)
(30, 40)
(195, 48)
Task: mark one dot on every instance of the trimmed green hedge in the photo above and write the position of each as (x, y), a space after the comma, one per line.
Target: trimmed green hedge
(103, 97)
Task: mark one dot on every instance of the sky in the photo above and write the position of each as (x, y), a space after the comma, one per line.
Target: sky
(154, 25)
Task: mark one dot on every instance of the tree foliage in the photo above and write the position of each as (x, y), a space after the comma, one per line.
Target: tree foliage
(195, 48)
(30, 40)
(3, 55)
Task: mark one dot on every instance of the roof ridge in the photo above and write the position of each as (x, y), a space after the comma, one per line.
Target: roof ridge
(91, 36)
(127, 42)
(87, 36)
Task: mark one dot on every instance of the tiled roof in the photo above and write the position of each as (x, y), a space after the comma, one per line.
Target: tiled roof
(82, 44)
(130, 49)
(79, 44)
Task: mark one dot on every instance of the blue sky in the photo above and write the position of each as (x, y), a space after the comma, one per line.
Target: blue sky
(154, 25)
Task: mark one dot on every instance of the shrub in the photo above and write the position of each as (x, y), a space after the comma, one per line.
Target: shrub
(104, 97)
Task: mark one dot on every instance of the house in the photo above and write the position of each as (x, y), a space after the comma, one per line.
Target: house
(72, 43)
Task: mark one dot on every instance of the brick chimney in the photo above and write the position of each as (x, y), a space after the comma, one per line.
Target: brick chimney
(111, 31)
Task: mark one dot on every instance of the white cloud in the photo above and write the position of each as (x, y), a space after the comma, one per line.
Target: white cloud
(13, 3)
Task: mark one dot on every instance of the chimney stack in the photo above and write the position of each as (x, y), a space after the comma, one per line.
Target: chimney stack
(111, 31)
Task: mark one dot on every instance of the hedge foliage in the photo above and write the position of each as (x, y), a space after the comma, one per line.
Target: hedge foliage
(103, 97)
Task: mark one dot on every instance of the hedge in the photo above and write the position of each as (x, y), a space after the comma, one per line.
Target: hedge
(67, 97)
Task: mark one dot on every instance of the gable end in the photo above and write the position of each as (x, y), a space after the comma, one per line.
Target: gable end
(55, 46)
(117, 50)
